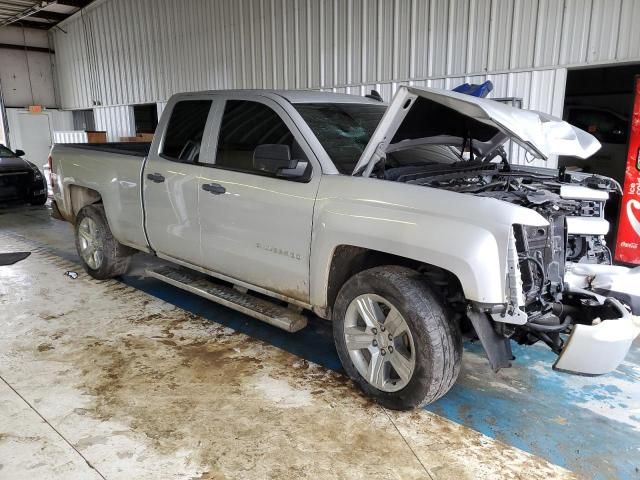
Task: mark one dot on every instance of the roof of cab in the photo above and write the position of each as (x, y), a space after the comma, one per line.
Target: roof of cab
(298, 96)
(312, 96)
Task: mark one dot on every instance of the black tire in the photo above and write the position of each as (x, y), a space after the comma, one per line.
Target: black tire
(115, 256)
(437, 339)
(39, 200)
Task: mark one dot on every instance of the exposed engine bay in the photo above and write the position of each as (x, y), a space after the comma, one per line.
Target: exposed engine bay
(573, 203)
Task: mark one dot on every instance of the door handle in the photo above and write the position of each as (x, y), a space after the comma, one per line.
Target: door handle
(155, 177)
(214, 188)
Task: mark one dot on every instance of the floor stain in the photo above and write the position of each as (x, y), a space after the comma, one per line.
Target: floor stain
(182, 389)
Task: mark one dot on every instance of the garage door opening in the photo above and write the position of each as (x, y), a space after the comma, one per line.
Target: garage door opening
(600, 101)
(146, 118)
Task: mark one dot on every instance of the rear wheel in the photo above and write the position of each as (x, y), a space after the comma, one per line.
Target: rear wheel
(395, 338)
(101, 254)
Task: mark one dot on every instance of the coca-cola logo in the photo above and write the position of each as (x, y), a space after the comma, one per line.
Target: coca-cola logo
(633, 215)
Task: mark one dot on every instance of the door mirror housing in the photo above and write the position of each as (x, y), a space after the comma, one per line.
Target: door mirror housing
(273, 158)
(19, 153)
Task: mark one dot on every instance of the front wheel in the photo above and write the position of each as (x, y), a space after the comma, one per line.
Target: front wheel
(101, 254)
(395, 337)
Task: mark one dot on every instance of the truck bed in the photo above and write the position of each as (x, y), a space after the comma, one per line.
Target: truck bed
(113, 171)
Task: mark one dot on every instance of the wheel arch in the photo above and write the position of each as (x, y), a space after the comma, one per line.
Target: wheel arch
(348, 260)
(78, 198)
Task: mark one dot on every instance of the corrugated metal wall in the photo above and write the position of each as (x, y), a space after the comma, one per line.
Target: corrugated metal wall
(120, 52)
(116, 121)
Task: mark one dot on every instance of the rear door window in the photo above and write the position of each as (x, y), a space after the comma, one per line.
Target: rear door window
(185, 131)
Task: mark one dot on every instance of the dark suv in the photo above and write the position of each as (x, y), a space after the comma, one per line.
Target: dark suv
(20, 180)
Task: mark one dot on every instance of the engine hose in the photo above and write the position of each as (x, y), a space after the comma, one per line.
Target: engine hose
(550, 328)
(480, 188)
(562, 312)
(556, 347)
(610, 255)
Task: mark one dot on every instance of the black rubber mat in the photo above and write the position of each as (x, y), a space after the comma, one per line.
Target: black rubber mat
(11, 258)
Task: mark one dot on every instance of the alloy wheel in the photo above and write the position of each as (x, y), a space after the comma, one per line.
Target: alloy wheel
(91, 247)
(379, 342)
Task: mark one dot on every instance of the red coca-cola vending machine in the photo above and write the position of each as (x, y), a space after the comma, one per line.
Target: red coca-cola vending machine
(628, 238)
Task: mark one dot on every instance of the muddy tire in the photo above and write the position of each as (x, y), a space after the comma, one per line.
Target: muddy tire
(395, 337)
(102, 256)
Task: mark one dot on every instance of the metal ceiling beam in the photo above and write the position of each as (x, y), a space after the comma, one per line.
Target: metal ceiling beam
(55, 16)
(11, 46)
(19, 5)
(14, 11)
(38, 25)
(74, 3)
(29, 9)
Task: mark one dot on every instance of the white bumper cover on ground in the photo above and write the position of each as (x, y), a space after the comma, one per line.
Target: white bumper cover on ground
(600, 348)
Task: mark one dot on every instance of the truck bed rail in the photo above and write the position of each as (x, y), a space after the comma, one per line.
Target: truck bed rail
(137, 149)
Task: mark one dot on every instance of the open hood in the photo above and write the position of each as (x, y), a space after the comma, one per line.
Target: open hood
(421, 116)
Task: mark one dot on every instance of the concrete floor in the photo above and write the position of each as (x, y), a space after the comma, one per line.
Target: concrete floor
(135, 379)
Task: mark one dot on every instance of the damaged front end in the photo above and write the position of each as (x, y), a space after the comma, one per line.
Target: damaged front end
(562, 288)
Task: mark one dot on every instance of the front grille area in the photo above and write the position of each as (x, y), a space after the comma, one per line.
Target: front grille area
(15, 185)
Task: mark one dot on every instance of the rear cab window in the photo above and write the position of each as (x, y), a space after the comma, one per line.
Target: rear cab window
(185, 130)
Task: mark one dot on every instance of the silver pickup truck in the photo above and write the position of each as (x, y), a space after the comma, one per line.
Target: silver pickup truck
(405, 224)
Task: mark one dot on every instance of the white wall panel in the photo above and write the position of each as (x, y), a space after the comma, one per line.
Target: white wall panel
(457, 37)
(500, 28)
(575, 31)
(70, 136)
(26, 78)
(629, 39)
(384, 41)
(402, 24)
(160, 107)
(604, 30)
(120, 52)
(58, 120)
(438, 38)
(548, 32)
(523, 33)
(420, 46)
(478, 41)
(116, 121)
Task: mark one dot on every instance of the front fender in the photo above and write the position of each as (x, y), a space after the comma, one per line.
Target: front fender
(464, 234)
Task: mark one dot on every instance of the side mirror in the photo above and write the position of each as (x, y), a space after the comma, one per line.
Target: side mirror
(273, 158)
(19, 153)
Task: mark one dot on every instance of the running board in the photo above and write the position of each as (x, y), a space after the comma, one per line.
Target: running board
(199, 284)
